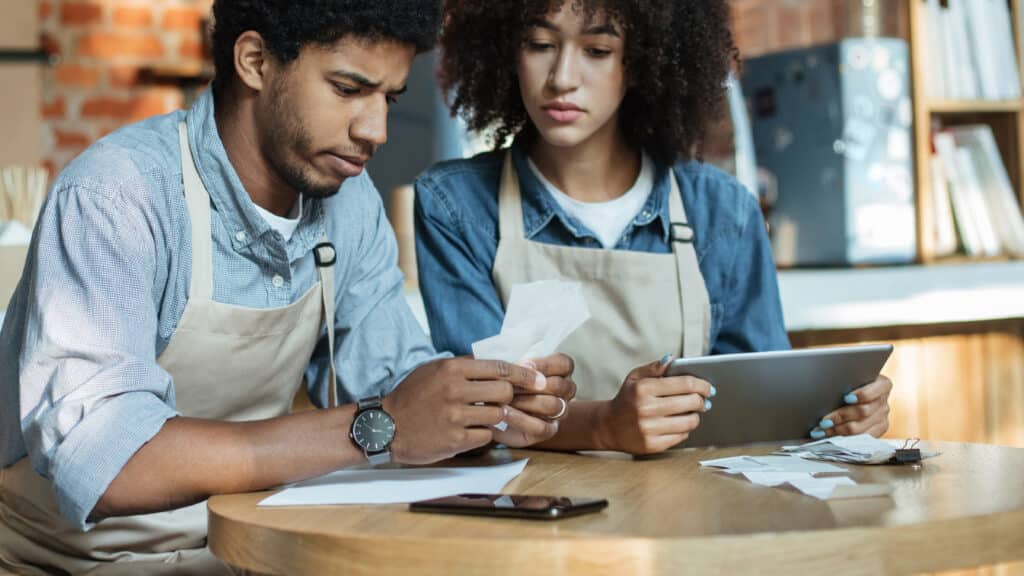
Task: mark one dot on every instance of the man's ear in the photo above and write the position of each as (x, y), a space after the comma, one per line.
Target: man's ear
(251, 60)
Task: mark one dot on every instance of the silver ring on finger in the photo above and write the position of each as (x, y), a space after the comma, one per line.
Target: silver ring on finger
(565, 408)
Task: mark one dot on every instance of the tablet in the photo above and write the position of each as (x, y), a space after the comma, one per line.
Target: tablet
(773, 396)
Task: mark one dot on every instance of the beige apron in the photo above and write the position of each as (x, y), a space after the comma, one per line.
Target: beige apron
(642, 305)
(228, 363)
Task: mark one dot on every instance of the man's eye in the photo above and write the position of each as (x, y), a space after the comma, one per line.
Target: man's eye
(346, 90)
(392, 99)
(598, 52)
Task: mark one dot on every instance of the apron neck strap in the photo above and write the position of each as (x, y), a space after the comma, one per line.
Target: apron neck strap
(510, 207)
(693, 293)
(198, 201)
(325, 256)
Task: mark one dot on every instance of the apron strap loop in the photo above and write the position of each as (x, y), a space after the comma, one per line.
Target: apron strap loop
(325, 255)
(681, 232)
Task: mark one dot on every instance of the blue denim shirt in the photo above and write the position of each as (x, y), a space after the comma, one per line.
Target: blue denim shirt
(107, 280)
(457, 240)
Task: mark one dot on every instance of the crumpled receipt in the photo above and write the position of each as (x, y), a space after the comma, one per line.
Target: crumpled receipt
(538, 318)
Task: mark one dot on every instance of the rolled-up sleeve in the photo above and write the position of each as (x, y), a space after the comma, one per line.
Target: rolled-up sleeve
(378, 341)
(91, 391)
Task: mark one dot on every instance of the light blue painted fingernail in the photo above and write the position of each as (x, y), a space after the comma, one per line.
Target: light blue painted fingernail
(707, 405)
(665, 359)
(714, 391)
(850, 398)
(826, 424)
(817, 434)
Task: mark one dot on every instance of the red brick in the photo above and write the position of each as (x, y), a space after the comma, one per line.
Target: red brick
(49, 44)
(123, 76)
(75, 75)
(191, 50)
(149, 104)
(55, 109)
(104, 107)
(133, 17)
(182, 18)
(80, 13)
(72, 140)
(106, 45)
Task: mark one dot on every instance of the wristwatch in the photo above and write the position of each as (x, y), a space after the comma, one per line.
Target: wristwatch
(373, 429)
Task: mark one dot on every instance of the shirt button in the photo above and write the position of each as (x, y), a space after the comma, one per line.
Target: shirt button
(278, 281)
(241, 236)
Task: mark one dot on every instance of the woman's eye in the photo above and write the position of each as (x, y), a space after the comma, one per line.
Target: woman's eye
(598, 52)
(536, 46)
(392, 99)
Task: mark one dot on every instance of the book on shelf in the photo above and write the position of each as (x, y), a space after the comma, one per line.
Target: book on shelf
(968, 169)
(945, 225)
(970, 52)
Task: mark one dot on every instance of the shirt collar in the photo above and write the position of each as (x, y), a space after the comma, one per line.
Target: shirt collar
(540, 210)
(226, 191)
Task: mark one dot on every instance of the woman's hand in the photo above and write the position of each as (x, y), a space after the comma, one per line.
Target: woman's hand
(652, 412)
(867, 412)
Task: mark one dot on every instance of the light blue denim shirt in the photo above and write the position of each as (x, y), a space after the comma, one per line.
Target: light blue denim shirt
(457, 240)
(107, 280)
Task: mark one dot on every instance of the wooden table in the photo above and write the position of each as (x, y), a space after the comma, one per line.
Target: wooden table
(962, 509)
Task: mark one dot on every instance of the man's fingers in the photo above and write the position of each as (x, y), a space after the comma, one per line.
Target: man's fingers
(554, 365)
(485, 391)
(485, 415)
(519, 376)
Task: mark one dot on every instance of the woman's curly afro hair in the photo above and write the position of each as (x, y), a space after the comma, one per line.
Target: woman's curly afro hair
(677, 57)
(288, 25)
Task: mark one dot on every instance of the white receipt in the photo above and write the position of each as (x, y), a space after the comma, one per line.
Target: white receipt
(396, 486)
(538, 318)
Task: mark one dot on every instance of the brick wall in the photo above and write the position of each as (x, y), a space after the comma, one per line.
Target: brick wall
(104, 44)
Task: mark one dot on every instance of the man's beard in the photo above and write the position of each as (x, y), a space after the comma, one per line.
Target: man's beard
(286, 132)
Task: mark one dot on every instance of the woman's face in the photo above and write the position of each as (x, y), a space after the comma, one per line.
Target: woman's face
(571, 75)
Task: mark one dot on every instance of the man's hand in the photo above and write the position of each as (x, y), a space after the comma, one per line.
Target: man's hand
(448, 407)
(652, 413)
(868, 412)
(534, 414)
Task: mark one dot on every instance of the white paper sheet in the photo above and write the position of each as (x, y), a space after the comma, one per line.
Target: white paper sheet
(395, 486)
(539, 316)
(787, 463)
(860, 449)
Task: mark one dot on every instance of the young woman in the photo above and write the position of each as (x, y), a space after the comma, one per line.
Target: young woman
(608, 103)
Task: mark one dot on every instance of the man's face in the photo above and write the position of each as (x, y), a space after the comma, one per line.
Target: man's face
(325, 113)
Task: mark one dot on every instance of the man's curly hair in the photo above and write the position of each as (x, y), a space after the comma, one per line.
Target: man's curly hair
(677, 57)
(288, 25)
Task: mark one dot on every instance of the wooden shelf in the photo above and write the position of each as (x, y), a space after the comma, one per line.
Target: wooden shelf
(975, 106)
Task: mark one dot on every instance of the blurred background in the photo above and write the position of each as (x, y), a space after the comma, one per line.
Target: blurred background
(882, 137)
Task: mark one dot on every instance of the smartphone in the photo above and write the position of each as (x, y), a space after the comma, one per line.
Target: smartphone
(511, 506)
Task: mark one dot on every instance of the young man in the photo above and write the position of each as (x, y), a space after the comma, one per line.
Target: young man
(187, 272)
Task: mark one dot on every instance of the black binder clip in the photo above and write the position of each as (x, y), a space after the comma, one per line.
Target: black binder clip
(325, 255)
(681, 232)
(908, 454)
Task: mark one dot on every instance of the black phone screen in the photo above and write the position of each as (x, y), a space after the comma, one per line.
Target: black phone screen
(511, 505)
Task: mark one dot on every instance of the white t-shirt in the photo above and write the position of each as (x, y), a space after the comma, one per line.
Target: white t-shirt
(286, 226)
(607, 219)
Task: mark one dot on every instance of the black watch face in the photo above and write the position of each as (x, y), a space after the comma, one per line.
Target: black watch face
(373, 430)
